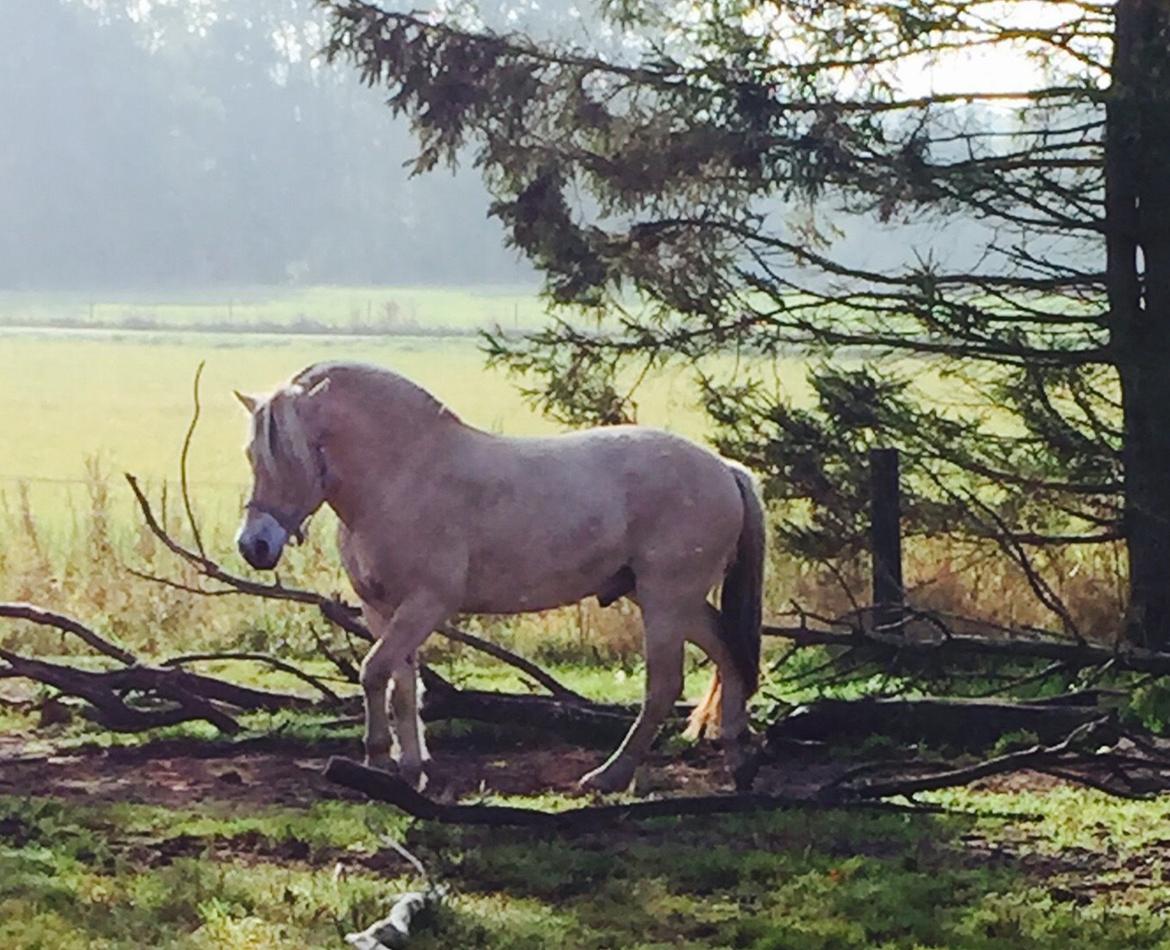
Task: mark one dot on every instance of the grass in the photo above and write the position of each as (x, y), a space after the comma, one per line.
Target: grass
(99, 876)
(289, 309)
(78, 408)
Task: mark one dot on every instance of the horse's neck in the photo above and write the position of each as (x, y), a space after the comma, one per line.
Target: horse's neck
(375, 444)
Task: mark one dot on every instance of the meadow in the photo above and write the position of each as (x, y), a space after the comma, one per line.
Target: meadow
(81, 405)
(97, 385)
(119, 842)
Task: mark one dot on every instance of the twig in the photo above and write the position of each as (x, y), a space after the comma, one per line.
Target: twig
(47, 618)
(183, 461)
(1051, 669)
(504, 655)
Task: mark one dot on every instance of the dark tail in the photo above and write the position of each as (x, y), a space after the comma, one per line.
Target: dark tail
(741, 603)
(740, 610)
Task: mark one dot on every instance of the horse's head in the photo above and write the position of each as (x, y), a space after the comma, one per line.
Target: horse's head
(288, 477)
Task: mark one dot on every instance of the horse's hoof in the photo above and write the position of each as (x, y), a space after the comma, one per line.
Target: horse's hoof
(415, 778)
(744, 774)
(744, 756)
(382, 764)
(605, 780)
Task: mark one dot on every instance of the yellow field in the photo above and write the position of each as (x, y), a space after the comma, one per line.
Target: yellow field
(79, 407)
(125, 400)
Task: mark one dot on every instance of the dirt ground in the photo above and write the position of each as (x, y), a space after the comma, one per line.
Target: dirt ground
(275, 772)
(271, 772)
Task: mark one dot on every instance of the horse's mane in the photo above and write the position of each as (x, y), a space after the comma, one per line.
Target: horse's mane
(280, 434)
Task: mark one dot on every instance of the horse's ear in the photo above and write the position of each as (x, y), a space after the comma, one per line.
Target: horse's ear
(248, 402)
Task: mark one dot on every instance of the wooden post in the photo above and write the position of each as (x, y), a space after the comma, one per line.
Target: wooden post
(885, 511)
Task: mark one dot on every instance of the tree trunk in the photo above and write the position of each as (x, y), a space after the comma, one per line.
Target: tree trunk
(1137, 195)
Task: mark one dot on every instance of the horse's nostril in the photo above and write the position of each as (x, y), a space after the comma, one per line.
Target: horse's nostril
(260, 549)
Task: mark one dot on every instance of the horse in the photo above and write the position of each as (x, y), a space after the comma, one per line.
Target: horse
(439, 518)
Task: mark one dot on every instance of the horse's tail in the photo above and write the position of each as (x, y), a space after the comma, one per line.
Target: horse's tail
(741, 604)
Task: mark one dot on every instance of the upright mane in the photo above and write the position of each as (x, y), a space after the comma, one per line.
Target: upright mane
(279, 436)
(376, 386)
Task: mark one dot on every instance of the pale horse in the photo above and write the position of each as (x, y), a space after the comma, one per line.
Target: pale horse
(439, 518)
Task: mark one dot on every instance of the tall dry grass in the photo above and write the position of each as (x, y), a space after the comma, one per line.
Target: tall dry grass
(82, 565)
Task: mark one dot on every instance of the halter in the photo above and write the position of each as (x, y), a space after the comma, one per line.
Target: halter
(293, 525)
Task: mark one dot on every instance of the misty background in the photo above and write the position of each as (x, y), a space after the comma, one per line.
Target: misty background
(177, 144)
(201, 144)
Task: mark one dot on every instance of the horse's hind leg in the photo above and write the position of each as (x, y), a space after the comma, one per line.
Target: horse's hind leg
(733, 736)
(664, 677)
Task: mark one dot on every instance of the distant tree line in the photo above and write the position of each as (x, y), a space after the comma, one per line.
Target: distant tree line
(199, 144)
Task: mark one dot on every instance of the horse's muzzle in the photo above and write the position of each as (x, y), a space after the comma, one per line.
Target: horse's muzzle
(261, 541)
(259, 554)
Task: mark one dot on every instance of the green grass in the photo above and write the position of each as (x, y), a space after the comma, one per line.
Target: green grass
(345, 309)
(76, 875)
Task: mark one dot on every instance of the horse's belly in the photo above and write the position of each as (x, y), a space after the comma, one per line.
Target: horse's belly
(541, 576)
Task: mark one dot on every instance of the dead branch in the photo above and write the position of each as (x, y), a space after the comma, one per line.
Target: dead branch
(385, 787)
(959, 723)
(1130, 768)
(930, 638)
(275, 662)
(101, 691)
(393, 930)
(186, 695)
(1096, 753)
(556, 688)
(191, 520)
(587, 723)
(47, 618)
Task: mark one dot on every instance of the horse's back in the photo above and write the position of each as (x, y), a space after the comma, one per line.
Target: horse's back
(571, 513)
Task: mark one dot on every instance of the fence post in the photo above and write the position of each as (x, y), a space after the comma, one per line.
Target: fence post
(885, 512)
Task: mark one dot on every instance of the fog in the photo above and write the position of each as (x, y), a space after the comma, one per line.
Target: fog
(201, 144)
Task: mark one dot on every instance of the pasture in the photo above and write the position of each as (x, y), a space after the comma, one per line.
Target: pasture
(178, 838)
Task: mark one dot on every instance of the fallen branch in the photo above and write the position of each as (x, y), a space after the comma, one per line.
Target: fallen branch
(1088, 752)
(939, 643)
(275, 662)
(557, 689)
(188, 695)
(587, 723)
(101, 691)
(961, 723)
(393, 930)
(47, 618)
(385, 787)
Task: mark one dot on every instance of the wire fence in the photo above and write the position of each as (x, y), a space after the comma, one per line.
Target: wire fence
(12, 479)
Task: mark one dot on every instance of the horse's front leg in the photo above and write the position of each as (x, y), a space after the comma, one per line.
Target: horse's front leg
(408, 725)
(398, 637)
